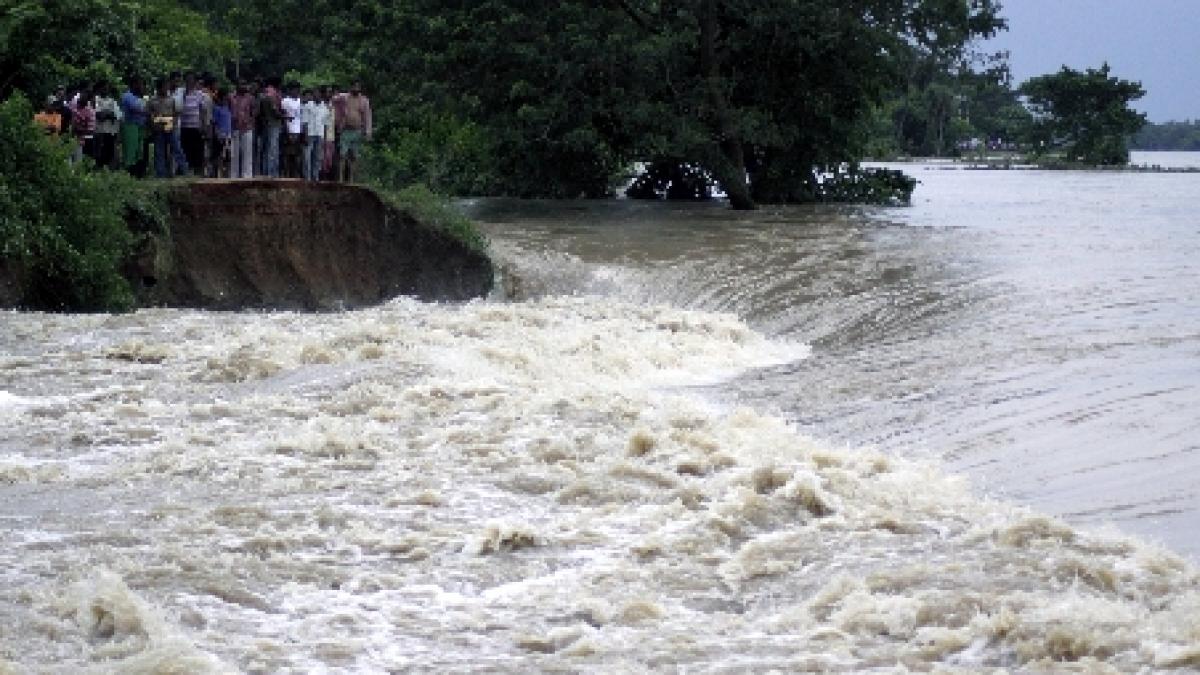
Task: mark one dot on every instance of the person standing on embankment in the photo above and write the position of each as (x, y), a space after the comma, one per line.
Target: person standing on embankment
(353, 126)
(108, 126)
(243, 108)
(133, 129)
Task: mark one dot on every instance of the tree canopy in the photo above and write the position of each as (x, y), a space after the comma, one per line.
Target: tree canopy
(1168, 136)
(558, 98)
(1087, 112)
(49, 43)
(554, 99)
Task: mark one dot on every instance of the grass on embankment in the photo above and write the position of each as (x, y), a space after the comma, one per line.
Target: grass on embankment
(436, 211)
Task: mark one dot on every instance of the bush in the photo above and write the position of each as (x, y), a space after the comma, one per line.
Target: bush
(856, 185)
(61, 225)
(450, 156)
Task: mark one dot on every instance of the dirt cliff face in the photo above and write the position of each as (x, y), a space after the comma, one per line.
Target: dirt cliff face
(295, 245)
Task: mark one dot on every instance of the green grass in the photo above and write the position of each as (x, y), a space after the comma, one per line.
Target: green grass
(436, 211)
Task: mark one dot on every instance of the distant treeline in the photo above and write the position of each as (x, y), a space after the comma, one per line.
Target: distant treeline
(1168, 136)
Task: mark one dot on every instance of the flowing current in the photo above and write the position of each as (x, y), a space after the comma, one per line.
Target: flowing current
(958, 436)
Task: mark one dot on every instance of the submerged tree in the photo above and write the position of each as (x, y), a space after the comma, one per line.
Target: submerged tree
(1087, 112)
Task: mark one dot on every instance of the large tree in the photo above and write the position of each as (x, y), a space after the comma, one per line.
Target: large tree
(1086, 112)
(763, 94)
(945, 102)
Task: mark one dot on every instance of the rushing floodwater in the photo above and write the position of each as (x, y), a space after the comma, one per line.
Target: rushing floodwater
(682, 438)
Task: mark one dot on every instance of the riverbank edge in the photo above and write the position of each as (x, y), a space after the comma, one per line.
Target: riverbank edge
(1022, 164)
(217, 244)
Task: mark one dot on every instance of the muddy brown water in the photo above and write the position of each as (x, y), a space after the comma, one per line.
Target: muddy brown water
(958, 436)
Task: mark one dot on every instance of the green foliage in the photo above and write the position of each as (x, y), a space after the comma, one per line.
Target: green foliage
(440, 151)
(557, 99)
(671, 180)
(1168, 136)
(1085, 112)
(48, 43)
(434, 210)
(63, 225)
(947, 102)
(853, 184)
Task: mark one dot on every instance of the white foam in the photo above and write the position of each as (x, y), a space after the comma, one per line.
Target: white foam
(531, 486)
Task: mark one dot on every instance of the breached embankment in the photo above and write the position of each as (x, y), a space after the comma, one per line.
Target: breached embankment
(286, 244)
(295, 245)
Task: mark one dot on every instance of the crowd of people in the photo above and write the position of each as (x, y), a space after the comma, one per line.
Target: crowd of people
(188, 125)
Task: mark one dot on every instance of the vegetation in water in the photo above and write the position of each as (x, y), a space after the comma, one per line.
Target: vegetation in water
(1086, 113)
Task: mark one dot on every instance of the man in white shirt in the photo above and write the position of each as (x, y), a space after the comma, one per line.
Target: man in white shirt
(315, 114)
(293, 112)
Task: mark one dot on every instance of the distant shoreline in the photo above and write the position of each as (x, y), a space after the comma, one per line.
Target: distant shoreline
(1023, 164)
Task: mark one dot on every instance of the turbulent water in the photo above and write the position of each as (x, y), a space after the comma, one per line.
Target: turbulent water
(681, 439)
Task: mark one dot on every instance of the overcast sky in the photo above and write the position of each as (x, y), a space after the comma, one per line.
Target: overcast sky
(1154, 41)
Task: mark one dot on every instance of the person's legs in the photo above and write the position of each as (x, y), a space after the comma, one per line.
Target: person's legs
(214, 147)
(309, 157)
(177, 154)
(343, 142)
(318, 156)
(285, 155)
(272, 151)
(223, 165)
(142, 168)
(295, 151)
(129, 146)
(162, 145)
(235, 156)
(327, 160)
(350, 148)
(247, 142)
(104, 150)
(306, 160)
(193, 150)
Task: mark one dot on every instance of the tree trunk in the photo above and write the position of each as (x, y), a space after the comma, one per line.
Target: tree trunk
(730, 160)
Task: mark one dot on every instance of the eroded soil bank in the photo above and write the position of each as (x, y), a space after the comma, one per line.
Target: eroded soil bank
(294, 245)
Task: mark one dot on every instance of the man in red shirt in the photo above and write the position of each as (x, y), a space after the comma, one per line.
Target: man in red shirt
(244, 107)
